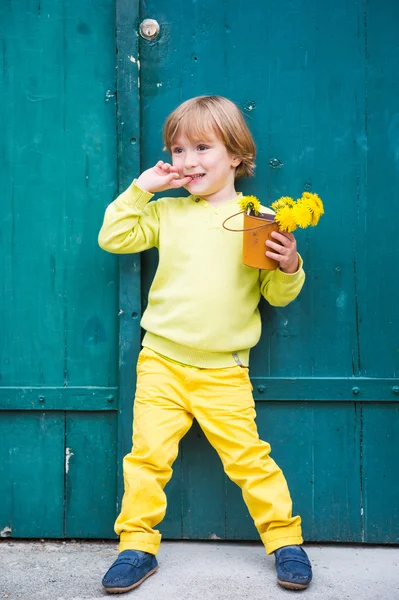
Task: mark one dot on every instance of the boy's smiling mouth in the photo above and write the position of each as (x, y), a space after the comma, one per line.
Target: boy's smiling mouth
(196, 176)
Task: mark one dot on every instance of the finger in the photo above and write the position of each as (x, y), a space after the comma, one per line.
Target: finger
(278, 247)
(288, 235)
(174, 169)
(166, 167)
(171, 176)
(284, 239)
(278, 257)
(158, 168)
(180, 182)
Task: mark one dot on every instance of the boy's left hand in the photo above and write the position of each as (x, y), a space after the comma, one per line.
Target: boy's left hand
(284, 252)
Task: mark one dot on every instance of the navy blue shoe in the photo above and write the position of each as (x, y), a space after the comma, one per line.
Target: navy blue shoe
(128, 571)
(294, 570)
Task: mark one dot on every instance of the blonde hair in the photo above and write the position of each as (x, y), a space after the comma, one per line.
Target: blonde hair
(196, 117)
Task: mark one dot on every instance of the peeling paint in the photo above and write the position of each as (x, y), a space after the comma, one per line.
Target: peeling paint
(134, 60)
(213, 536)
(6, 532)
(109, 95)
(341, 300)
(159, 84)
(68, 455)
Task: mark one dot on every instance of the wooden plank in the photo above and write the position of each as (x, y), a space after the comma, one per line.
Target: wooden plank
(325, 389)
(59, 162)
(318, 449)
(33, 191)
(377, 251)
(310, 98)
(323, 478)
(239, 523)
(380, 492)
(203, 488)
(58, 398)
(90, 478)
(171, 526)
(89, 155)
(129, 136)
(265, 390)
(32, 474)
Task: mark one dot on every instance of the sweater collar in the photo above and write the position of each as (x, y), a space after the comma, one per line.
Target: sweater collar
(203, 202)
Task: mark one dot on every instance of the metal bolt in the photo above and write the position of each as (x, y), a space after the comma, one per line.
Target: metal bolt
(41, 398)
(249, 106)
(149, 29)
(395, 389)
(261, 389)
(356, 391)
(110, 399)
(275, 162)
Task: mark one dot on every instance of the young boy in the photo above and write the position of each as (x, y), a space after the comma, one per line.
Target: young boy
(201, 320)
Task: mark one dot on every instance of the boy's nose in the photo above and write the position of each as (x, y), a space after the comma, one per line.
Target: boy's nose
(191, 160)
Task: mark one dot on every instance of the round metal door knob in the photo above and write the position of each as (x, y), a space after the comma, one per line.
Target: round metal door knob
(149, 29)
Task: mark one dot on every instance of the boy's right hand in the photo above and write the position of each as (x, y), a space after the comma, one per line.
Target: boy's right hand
(161, 177)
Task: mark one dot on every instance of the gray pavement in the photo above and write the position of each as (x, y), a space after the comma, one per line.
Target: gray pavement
(195, 570)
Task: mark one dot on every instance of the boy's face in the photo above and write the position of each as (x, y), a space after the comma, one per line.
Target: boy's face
(209, 163)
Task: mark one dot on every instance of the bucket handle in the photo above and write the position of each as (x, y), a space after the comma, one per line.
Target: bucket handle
(249, 228)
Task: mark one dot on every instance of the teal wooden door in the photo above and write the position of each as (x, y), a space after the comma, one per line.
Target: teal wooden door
(59, 292)
(318, 87)
(317, 84)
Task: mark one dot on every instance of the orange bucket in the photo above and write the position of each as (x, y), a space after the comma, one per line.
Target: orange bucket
(256, 231)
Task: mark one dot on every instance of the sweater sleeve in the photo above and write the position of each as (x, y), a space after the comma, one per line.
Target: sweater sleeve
(281, 288)
(130, 224)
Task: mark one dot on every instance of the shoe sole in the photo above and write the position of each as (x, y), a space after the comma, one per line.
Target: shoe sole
(292, 586)
(131, 587)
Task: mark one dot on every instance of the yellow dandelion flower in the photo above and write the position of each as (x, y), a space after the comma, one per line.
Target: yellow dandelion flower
(250, 204)
(315, 217)
(302, 214)
(315, 200)
(281, 202)
(286, 219)
(315, 205)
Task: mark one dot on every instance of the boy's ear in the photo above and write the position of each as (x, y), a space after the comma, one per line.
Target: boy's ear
(235, 161)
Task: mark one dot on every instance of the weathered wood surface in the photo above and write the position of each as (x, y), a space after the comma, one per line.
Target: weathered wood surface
(59, 291)
(319, 90)
(318, 87)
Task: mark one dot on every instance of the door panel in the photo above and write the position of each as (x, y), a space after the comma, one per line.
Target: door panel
(380, 491)
(32, 474)
(317, 90)
(59, 297)
(90, 474)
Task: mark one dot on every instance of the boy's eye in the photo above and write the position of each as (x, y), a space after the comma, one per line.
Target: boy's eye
(177, 150)
(202, 147)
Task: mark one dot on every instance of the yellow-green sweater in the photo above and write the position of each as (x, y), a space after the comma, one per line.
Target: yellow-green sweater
(203, 303)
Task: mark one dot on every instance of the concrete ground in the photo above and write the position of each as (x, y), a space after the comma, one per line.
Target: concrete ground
(195, 570)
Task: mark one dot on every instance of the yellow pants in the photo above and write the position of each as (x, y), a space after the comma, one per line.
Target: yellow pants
(168, 397)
